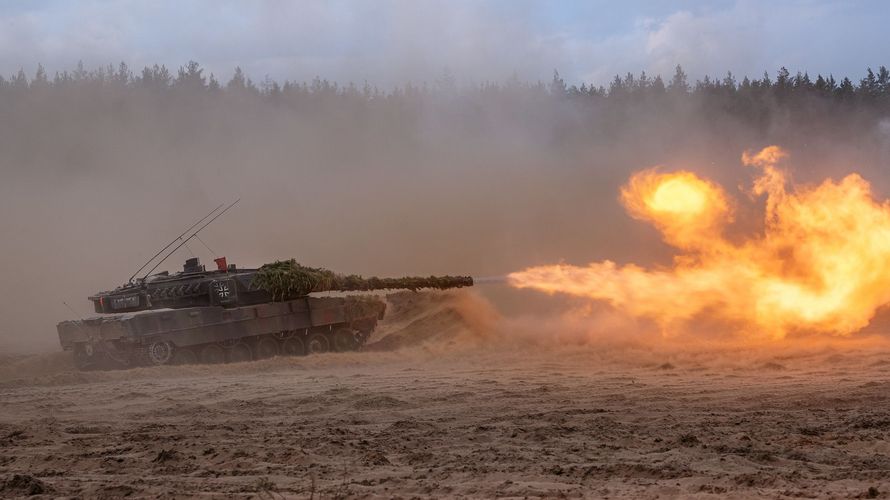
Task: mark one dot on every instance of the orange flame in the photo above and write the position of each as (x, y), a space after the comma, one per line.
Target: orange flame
(822, 262)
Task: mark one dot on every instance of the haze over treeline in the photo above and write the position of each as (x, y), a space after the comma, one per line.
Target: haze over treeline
(782, 89)
(100, 167)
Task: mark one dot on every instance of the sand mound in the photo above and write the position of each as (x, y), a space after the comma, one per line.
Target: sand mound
(441, 317)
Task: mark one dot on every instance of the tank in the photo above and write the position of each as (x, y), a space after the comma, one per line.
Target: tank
(229, 314)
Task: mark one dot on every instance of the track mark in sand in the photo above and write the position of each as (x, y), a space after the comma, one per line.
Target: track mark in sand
(377, 402)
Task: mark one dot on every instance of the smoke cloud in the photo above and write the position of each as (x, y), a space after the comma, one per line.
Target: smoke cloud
(99, 171)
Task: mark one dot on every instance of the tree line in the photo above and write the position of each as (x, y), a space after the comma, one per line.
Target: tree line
(871, 88)
(191, 108)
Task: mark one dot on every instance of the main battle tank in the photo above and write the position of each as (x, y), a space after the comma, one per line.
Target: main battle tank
(231, 314)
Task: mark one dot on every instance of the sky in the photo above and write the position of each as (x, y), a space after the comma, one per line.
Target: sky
(390, 42)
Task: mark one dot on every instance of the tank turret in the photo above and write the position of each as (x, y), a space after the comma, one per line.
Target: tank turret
(228, 286)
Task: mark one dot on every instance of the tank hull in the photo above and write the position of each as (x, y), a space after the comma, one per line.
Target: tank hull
(219, 334)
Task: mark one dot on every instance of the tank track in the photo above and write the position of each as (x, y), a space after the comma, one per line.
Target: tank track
(317, 340)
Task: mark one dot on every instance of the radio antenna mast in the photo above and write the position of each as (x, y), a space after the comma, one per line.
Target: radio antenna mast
(174, 241)
(72, 310)
(217, 216)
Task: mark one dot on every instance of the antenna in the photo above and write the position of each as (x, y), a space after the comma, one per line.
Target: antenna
(82, 321)
(72, 310)
(217, 216)
(174, 241)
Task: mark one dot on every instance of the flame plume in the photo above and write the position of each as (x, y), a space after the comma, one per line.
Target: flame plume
(821, 263)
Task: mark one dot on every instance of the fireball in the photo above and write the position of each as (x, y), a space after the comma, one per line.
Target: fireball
(821, 263)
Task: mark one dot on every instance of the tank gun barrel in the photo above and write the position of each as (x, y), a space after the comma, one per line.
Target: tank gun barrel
(490, 280)
(288, 279)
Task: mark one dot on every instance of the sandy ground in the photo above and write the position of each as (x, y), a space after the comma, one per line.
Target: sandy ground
(444, 409)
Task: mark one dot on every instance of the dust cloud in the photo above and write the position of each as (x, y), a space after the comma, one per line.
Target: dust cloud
(101, 168)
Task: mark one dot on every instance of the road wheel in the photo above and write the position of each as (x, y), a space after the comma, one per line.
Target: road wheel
(344, 340)
(266, 348)
(85, 357)
(293, 347)
(284, 335)
(240, 352)
(213, 354)
(184, 356)
(160, 353)
(318, 343)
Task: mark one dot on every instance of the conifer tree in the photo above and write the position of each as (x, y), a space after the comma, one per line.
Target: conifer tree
(557, 85)
(40, 80)
(678, 82)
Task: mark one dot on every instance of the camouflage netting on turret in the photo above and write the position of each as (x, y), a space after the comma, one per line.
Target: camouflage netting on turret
(286, 279)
